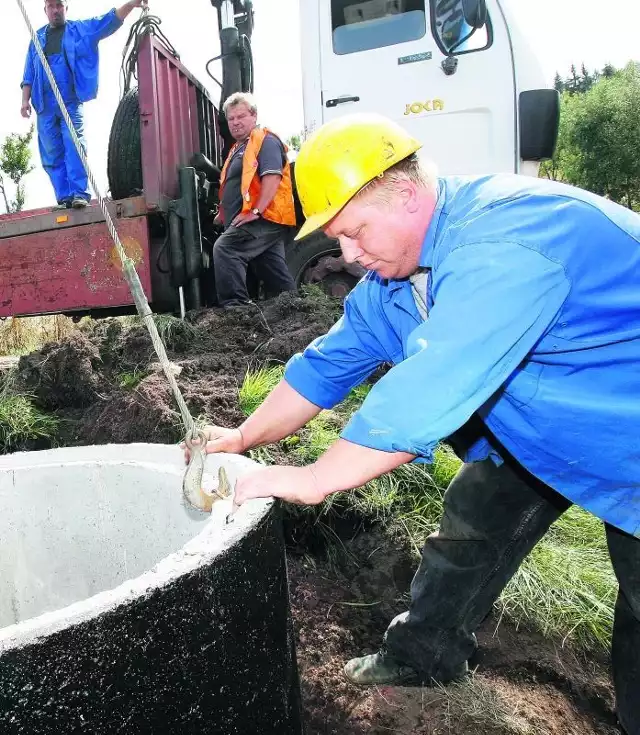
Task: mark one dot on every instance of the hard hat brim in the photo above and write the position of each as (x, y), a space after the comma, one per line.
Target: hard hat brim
(316, 221)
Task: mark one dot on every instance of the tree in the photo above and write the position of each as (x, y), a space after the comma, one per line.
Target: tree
(599, 138)
(558, 83)
(557, 168)
(15, 162)
(294, 142)
(606, 131)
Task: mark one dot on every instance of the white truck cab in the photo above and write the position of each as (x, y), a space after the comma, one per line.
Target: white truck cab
(456, 74)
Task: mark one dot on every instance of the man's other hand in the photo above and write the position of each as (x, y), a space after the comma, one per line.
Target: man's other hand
(26, 110)
(243, 218)
(292, 484)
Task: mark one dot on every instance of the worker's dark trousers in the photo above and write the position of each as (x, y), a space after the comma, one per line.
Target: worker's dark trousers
(239, 246)
(493, 517)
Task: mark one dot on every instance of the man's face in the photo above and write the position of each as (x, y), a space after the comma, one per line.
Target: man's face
(385, 237)
(241, 121)
(56, 11)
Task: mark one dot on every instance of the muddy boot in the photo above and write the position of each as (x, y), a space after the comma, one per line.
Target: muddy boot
(60, 206)
(382, 669)
(79, 203)
(379, 668)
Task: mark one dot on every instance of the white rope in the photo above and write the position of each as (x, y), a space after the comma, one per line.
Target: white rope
(128, 266)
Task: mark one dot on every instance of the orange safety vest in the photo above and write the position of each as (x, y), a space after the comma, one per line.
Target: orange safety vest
(281, 209)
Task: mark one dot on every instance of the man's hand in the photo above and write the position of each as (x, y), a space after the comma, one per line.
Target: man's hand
(243, 218)
(220, 439)
(293, 484)
(26, 110)
(123, 11)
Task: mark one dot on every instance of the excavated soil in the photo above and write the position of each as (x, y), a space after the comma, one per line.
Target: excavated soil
(104, 384)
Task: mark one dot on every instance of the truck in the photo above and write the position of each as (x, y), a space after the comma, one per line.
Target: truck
(457, 74)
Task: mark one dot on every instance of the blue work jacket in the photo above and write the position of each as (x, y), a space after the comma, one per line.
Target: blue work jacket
(80, 49)
(534, 323)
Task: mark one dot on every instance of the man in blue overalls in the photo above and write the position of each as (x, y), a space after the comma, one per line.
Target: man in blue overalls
(71, 48)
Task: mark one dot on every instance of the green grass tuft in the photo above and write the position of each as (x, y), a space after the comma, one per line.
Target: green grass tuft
(567, 587)
(21, 421)
(256, 386)
(131, 380)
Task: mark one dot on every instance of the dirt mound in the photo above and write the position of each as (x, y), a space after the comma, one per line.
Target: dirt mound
(106, 384)
(63, 374)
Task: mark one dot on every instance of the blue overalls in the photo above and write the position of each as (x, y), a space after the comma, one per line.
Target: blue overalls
(76, 70)
(58, 154)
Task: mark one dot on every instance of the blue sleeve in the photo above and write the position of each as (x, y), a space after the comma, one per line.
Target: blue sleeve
(97, 29)
(29, 67)
(334, 364)
(492, 303)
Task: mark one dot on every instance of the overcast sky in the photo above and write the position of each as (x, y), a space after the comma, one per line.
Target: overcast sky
(561, 31)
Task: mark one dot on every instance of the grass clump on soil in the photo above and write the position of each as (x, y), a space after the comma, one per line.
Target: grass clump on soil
(131, 380)
(475, 705)
(256, 386)
(565, 588)
(20, 421)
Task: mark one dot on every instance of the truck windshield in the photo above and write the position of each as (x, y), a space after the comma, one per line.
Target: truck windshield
(360, 25)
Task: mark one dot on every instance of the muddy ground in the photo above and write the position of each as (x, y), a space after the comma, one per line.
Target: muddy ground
(105, 386)
(522, 683)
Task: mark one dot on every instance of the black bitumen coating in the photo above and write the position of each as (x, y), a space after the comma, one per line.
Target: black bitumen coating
(212, 653)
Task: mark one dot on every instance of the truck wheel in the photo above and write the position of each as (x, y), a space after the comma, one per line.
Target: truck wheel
(317, 260)
(124, 160)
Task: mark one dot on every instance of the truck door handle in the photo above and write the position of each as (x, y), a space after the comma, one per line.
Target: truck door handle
(341, 100)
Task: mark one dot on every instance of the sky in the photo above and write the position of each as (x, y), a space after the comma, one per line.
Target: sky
(561, 32)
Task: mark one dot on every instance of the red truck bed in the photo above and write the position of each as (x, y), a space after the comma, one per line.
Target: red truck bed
(65, 261)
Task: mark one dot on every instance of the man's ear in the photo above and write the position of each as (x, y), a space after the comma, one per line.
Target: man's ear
(408, 193)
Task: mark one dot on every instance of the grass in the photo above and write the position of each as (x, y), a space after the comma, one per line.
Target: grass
(565, 588)
(21, 421)
(177, 334)
(20, 336)
(256, 386)
(131, 380)
(475, 705)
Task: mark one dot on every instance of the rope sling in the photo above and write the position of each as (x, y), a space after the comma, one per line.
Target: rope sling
(192, 483)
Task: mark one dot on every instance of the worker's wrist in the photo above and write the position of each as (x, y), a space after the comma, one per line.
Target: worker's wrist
(322, 489)
(243, 442)
(319, 493)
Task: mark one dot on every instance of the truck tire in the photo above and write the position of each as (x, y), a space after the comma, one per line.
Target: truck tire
(317, 260)
(124, 159)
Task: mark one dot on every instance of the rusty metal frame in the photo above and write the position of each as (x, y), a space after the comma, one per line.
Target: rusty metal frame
(44, 220)
(177, 119)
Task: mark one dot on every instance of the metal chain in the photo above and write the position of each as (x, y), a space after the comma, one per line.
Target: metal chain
(128, 266)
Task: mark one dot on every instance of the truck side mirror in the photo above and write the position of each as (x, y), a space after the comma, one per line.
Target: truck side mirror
(475, 12)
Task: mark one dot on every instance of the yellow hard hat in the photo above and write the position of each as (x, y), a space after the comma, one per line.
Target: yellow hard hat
(341, 158)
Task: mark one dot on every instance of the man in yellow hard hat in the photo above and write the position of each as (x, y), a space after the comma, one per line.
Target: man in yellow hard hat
(510, 311)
